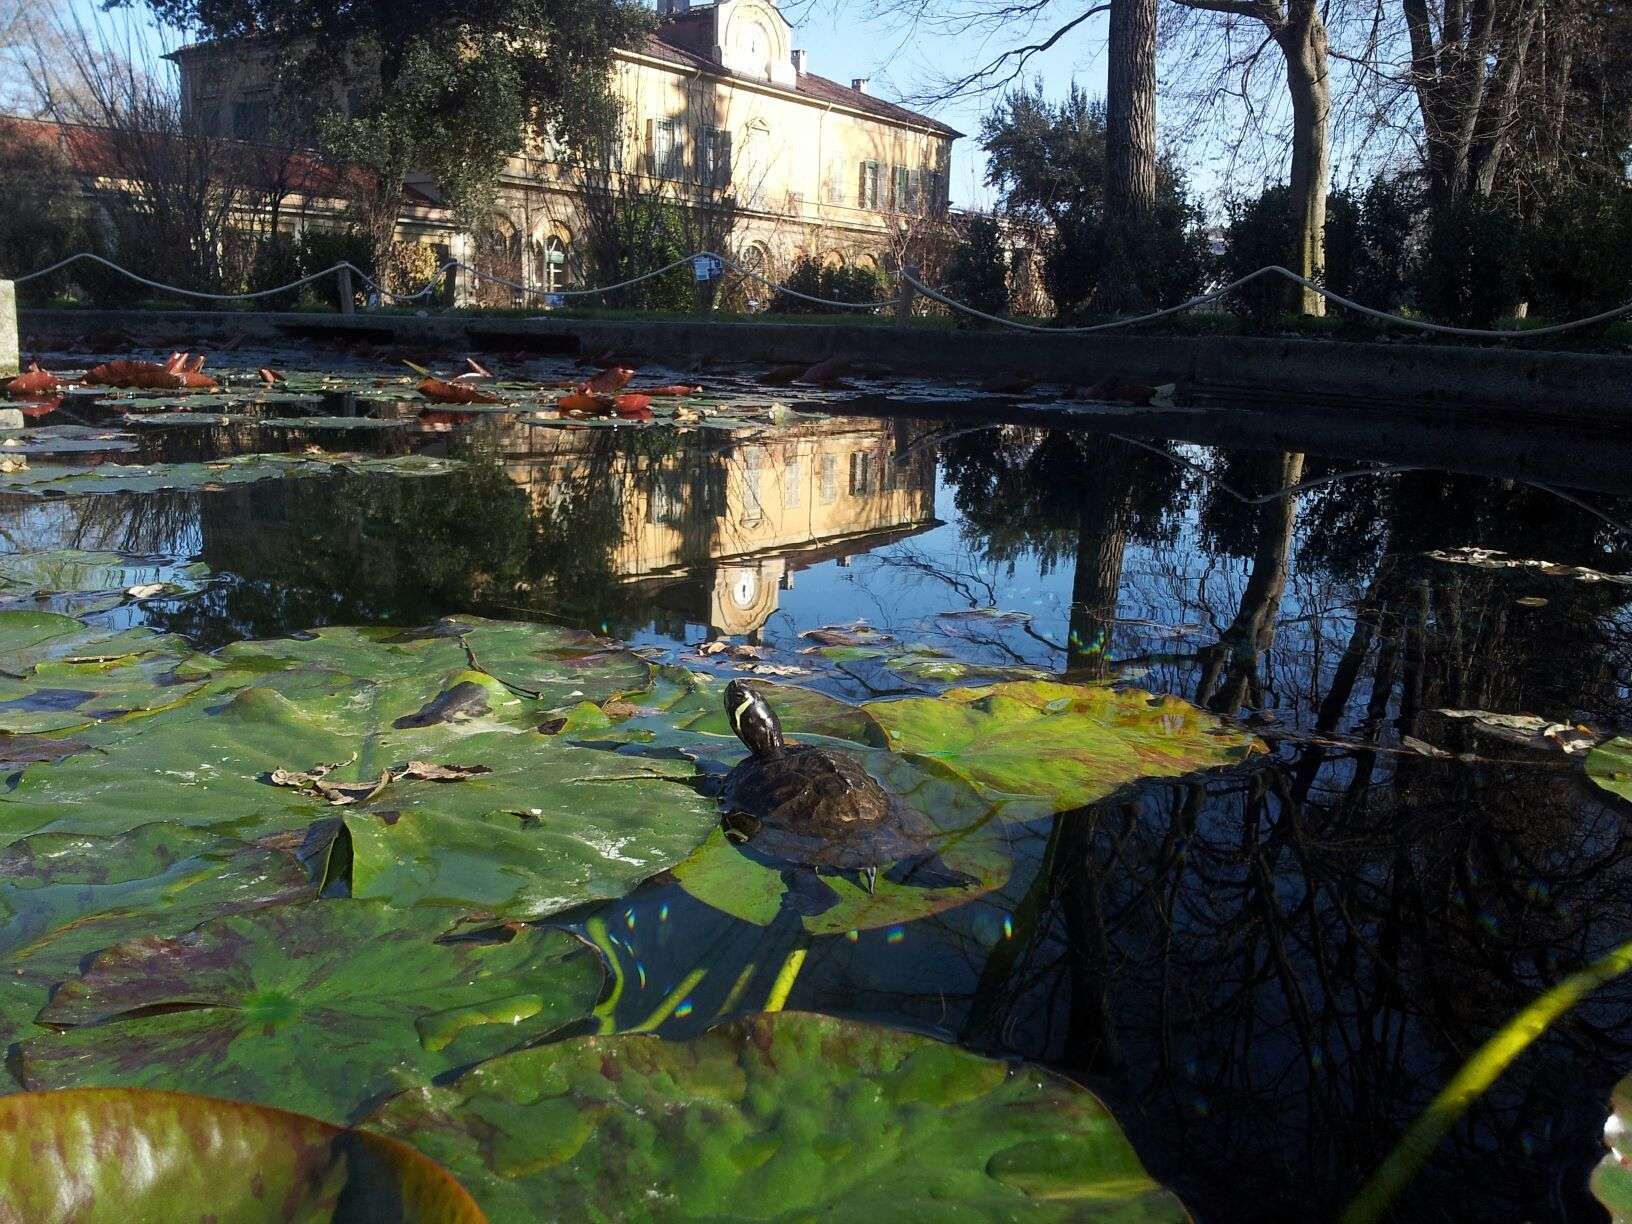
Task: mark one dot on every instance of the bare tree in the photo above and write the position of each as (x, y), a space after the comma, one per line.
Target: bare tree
(1130, 144)
(174, 187)
(1297, 28)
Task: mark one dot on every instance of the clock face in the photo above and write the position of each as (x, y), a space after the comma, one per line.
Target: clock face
(755, 44)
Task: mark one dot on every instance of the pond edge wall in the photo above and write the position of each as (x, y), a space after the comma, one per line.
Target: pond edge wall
(1512, 380)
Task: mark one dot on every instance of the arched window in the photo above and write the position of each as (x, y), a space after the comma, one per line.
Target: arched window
(553, 273)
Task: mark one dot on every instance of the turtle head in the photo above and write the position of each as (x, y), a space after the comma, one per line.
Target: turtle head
(753, 720)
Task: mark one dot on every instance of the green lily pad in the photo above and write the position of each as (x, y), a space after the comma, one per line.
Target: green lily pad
(532, 824)
(1612, 1179)
(61, 675)
(1610, 766)
(319, 1007)
(777, 1117)
(73, 581)
(240, 469)
(106, 1157)
(1066, 744)
(66, 895)
(734, 880)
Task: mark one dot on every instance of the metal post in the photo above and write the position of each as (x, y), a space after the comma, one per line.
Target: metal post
(348, 300)
(903, 300)
(451, 291)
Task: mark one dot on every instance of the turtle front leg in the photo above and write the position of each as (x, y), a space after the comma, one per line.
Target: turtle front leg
(870, 876)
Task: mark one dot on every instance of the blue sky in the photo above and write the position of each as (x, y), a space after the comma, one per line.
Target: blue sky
(847, 39)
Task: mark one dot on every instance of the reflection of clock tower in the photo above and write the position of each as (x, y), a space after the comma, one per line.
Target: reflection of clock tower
(748, 37)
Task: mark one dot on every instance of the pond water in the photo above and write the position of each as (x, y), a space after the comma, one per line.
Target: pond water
(1266, 970)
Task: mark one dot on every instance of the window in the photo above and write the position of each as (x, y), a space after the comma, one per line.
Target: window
(753, 464)
(555, 265)
(835, 186)
(861, 474)
(827, 478)
(249, 119)
(714, 158)
(867, 196)
(932, 186)
(792, 476)
(667, 149)
(901, 195)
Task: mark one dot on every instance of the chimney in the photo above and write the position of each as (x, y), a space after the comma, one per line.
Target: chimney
(859, 84)
(799, 62)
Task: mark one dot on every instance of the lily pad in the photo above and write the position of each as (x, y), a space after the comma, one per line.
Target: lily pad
(240, 469)
(1610, 766)
(66, 895)
(61, 675)
(321, 1006)
(1066, 744)
(777, 1117)
(103, 1157)
(1612, 1179)
(511, 821)
(77, 582)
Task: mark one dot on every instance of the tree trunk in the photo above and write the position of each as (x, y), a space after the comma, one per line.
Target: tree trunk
(1303, 43)
(1130, 150)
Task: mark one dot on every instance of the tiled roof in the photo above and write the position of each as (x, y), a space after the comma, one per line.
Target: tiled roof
(810, 85)
(91, 151)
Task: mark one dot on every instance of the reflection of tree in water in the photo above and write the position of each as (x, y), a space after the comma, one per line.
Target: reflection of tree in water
(303, 553)
(1269, 973)
(1269, 989)
(1055, 495)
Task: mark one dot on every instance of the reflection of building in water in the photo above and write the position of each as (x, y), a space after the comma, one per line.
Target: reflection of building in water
(722, 522)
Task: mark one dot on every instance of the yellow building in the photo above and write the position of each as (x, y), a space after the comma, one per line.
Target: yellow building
(720, 111)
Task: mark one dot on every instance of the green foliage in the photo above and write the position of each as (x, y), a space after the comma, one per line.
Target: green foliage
(1472, 270)
(841, 284)
(1372, 240)
(1048, 164)
(1577, 247)
(1260, 231)
(978, 271)
(284, 260)
(785, 1116)
(42, 219)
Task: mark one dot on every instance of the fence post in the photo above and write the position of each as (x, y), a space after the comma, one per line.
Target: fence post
(903, 299)
(10, 360)
(348, 300)
(451, 292)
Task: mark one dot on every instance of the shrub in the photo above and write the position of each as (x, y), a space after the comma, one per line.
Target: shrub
(1576, 250)
(1161, 263)
(1260, 232)
(42, 216)
(1472, 270)
(978, 271)
(840, 284)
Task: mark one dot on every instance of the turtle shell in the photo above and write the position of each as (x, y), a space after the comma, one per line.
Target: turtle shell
(821, 808)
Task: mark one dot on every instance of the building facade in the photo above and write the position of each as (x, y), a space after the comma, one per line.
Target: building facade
(719, 112)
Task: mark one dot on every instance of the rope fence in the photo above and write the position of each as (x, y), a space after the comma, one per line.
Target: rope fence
(902, 304)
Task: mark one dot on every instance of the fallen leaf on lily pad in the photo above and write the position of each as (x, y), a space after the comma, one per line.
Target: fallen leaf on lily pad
(785, 1116)
(320, 1006)
(123, 1155)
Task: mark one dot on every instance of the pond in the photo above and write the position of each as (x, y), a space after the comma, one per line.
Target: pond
(1265, 948)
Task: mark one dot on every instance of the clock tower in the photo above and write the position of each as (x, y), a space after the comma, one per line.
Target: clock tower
(748, 37)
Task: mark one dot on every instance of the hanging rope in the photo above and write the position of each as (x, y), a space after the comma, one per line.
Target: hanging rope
(1272, 269)
(928, 291)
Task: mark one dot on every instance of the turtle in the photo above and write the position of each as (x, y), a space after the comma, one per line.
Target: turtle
(817, 810)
